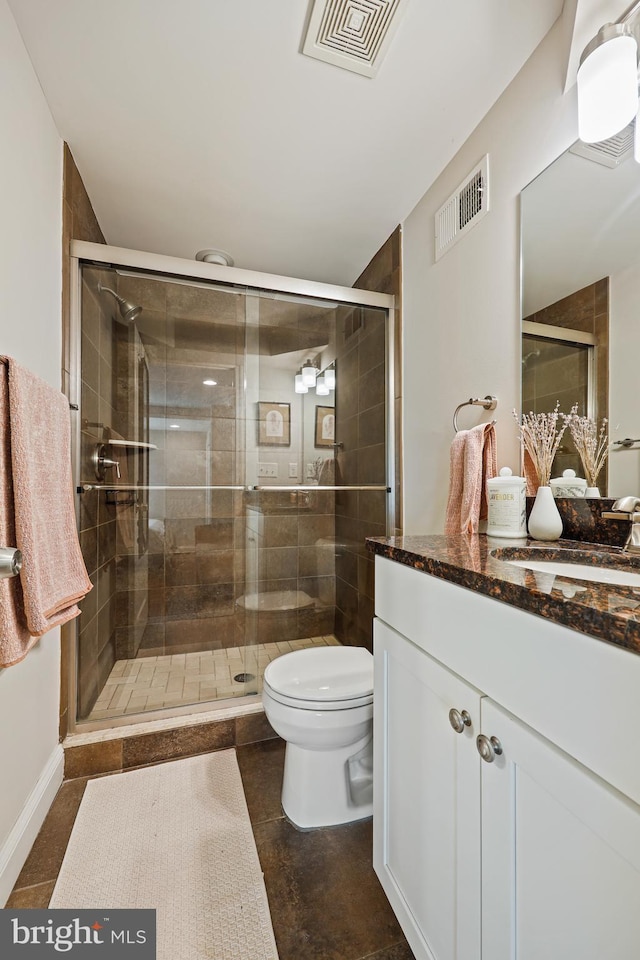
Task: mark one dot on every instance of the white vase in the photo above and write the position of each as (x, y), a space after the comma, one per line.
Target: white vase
(545, 522)
(592, 492)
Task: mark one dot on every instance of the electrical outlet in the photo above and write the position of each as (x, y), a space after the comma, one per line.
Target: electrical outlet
(268, 470)
(293, 471)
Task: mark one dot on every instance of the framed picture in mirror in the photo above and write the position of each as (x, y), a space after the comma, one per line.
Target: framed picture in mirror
(325, 432)
(274, 424)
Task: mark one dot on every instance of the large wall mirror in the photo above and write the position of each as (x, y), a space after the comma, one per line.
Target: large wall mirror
(580, 222)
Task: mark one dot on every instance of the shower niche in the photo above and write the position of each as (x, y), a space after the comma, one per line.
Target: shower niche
(222, 514)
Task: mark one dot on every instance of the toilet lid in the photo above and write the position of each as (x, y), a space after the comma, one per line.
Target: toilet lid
(322, 674)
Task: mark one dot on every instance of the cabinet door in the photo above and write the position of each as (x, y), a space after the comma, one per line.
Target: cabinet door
(560, 854)
(426, 799)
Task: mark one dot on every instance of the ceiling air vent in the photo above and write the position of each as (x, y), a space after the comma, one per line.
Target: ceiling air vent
(611, 152)
(352, 34)
(463, 209)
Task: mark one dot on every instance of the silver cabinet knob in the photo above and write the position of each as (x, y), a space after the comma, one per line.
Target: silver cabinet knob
(488, 747)
(459, 719)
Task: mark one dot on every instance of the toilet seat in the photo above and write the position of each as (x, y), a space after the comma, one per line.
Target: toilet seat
(322, 678)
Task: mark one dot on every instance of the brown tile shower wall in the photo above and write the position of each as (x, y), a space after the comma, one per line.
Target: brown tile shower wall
(78, 222)
(193, 567)
(361, 427)
(98, 534)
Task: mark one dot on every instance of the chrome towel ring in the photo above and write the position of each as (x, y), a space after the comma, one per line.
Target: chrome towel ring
(488, 402)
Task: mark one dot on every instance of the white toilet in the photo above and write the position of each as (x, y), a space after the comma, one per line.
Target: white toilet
(320, 700)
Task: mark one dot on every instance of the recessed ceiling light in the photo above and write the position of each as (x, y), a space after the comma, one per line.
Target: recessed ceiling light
(209, 382)
(174, 426)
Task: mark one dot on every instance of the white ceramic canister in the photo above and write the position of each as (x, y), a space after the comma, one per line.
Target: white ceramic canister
(507, 505)
(568, 485)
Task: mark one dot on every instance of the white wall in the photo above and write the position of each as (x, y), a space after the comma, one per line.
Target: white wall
(461, 316)
(30, 331)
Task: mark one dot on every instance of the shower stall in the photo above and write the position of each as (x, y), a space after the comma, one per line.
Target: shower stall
(233, 447)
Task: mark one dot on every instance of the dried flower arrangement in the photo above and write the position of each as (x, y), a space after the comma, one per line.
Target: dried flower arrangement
(591, 444)
(540, 434)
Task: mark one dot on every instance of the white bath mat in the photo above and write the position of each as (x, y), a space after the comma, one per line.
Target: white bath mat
(175, 837)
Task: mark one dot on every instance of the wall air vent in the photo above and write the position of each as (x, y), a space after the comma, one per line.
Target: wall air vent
(464, 208)
(609, 153)
(352, 34)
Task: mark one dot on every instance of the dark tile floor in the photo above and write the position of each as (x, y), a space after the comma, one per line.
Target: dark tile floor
(325, 899)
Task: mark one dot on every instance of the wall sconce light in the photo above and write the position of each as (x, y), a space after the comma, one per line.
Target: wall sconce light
(608, 81)
(330, 377)
(300, 387)
(309, 373)
(322, 390)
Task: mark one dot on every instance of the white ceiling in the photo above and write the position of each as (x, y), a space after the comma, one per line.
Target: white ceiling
(197, 123)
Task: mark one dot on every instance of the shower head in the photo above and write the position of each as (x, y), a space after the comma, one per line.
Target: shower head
(128, 311)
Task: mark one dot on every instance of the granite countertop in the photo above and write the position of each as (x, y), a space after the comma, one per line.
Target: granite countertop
(603, 610)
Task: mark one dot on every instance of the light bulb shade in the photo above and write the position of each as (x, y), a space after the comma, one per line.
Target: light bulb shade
(322, 390)
(607, 84)
(330, 378)
(300, 386)
(309, 375)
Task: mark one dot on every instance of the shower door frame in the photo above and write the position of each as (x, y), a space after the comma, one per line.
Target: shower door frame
(103, 255)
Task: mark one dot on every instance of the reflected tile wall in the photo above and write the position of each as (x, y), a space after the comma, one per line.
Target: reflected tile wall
(290, 550)
(586, 310)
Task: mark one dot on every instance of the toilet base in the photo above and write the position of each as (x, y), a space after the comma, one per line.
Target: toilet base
(324, 788)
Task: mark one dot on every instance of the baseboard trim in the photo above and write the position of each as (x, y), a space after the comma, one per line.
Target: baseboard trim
(16, 847)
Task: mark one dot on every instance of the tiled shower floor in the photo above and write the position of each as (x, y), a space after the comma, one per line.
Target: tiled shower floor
(153, 683)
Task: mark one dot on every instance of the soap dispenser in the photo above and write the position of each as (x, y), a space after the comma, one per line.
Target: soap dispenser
(507, 515)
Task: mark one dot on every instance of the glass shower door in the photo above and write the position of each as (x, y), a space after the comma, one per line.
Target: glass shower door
(222, 512)
(317, 469)
(162, 513)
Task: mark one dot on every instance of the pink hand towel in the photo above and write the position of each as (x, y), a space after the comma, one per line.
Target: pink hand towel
(53, 576)
(530, 474)
(473, 462)
(15, 640)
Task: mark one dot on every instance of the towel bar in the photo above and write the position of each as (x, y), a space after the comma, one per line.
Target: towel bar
(627, 442)
(488, 402)
(10, 562)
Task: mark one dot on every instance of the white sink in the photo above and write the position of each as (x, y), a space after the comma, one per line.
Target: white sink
(581, 571)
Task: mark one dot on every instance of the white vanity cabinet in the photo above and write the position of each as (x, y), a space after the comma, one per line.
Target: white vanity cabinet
(427, 814)
(534, 855)
(560, 854)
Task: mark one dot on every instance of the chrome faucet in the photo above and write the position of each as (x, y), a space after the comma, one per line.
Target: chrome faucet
(627, 508)
(101, 462)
